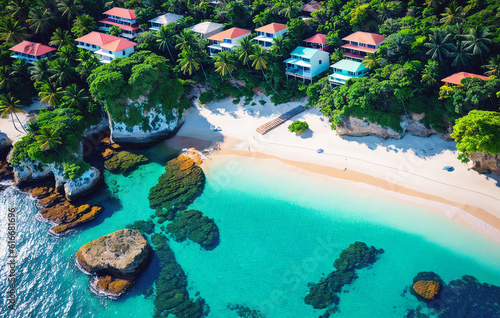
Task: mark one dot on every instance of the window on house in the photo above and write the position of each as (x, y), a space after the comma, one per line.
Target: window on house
(351, 73)
(371, 46)
(123, 52)
(362, 44)
(320, 62)
(354, 43)
(227, 41)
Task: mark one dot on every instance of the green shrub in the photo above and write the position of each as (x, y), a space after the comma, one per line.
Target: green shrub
(298, 127)
(206, 97)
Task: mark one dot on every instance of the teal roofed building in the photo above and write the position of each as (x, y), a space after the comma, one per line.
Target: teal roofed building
(306, 62)
(346, 69)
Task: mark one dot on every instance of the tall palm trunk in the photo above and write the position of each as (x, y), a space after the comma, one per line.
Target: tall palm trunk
(231, 74)
(19, 123)
(264, 74)
(14, 123)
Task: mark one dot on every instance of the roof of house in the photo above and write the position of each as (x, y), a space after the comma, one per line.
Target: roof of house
(166, 19)
(106, 41)
(349, 65)
(365, 37)
(272, 28)
(206, 27)
(457, 77)
(306, 52)
(317, 38)
(359, 48)
(32, 48)
(311, 6)
(121, 12)
(229, 34)
(134, 27)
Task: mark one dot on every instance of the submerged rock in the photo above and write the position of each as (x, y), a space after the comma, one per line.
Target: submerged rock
(123, 253)
(124, 161)
(110, 286)
(6, 172)
(182, 182)
(68, 216)
(428, 289)
(194, 226)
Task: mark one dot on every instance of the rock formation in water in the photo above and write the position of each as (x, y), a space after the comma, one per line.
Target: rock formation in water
(5, 142)
(194, 226)
(124, 161)
(324, 293)
(114, 260)
(182, 182)
(485, 162)
(427, 289)
(6, 172)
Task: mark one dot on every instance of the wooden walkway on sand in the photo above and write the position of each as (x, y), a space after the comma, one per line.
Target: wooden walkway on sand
(267, 127)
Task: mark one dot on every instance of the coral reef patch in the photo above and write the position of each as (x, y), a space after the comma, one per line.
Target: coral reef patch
(123, 161)
(194, 226)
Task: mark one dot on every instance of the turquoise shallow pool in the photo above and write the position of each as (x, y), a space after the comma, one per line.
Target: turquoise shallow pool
(280, 228)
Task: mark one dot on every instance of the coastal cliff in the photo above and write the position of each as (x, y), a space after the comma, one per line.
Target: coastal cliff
(412, 124)
(485, 162)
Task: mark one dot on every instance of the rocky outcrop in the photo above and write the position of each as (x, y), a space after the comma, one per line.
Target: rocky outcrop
(427, 289)
(123, 253)
(114, 260)
(124, 161)
(485, 162)
(155, 126)
(412, 124)
(182, 182)
(6, 172)
(194, 226)
(5, 142)
(82, 185)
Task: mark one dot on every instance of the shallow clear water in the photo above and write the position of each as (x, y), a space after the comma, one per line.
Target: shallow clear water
(280, 229)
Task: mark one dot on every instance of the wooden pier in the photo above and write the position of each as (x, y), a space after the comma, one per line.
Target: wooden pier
(267, 127)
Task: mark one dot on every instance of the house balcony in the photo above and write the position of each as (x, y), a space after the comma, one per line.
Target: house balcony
(338, 79)
(264, 41)
(214, 50)
(298, 72)
(28, 58)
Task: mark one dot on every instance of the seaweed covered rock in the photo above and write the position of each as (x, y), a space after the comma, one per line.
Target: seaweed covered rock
(428, 289)
(182, 182)
(172, 296)
(123, 253)
(245, 311)
(147, 227)
(194, 226)
(124, 161)
(356, 256)
(110, 286)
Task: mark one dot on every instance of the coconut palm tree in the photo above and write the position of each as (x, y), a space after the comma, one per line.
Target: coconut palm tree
(477, 41)
(63, 72)
(189, 61)
(280, 45)
(50, 93)
(114, 3)
(288, 8)
(75, 97)
(69, 9)
(11, 30)
(493, 66)
(461, 56)
(7, 81)
(454, 14)
(433, 3)
(9, 105)
(83, 24)
(41, 70)
(224, 65)
(60, 38)
(245, 50)
(41, 21)
(371, 61)
(20, 70)
(69, 52)
(186, 38)
(88, 61)
(49, 138)
(439, 44)
(19, 9)
(259, 59)
(165, 39)
(114, 30)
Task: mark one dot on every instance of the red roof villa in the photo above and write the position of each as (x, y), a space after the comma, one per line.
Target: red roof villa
(359, 44)
(456, 78)
(107, 47)
(318, 41)
(31, 51)
(122, 18)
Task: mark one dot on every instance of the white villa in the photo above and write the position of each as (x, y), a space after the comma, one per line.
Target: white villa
(307, 62)
(31, 51)
(346, 69)
(164, 19)
(122, 18)
(226, 40)
(107, 47)
(267, 33)
(207, 29)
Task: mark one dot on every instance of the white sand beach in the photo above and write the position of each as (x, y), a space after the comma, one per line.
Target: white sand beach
(410, 167)
(7, 127)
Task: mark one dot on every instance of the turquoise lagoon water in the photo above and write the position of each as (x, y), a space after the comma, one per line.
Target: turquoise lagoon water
(280, 229)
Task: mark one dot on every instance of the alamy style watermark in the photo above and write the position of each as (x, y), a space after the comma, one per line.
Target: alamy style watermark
(11, 259)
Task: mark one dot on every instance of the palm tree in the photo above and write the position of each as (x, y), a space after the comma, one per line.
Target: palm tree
(189, 61)
(61, 37)
(454, 14)
(75, 97)
(69, 52)
(477, 41)
(20, 70)
(49, 139)
(371, 61)
(19, 9)
(11, 30)
(224, 65)
(280, 45)
(461, 56)
(114, 30)
(41, 70)
(246, 49)
(493, 66)
(186, 38)
(62, 70)
(165, 39)
(433, 3)
(83, 24)
(7, 81)
(439, 45)
(50, 93)
(288, 8)
(9, 105)
(70, 8)
(259, 59)
(88, 62)
(114, 3)
(40, 21)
